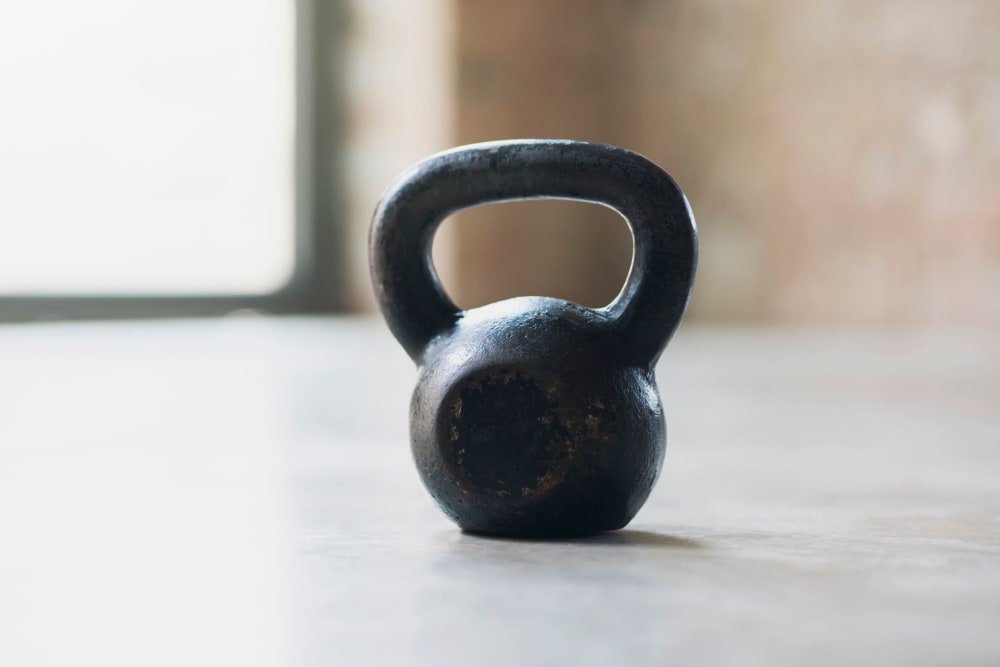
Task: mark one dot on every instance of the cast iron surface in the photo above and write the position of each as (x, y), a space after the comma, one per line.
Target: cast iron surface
(535, 416)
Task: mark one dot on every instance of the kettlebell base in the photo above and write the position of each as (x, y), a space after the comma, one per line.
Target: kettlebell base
(549, 532)
(536, 536)
(574, 510)
(543, 523)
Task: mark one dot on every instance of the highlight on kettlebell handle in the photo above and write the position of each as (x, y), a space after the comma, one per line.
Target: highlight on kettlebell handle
(650, 305)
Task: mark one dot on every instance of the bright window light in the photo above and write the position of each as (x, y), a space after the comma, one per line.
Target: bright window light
(146, 147)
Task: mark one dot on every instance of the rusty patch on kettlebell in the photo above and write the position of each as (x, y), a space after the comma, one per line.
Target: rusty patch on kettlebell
(507, 433)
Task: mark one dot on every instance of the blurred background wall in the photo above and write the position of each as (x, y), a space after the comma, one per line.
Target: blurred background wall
(841, 158)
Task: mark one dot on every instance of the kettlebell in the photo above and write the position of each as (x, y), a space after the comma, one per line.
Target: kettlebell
(534, 416)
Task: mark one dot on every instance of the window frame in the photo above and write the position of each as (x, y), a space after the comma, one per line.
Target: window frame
(317, 281)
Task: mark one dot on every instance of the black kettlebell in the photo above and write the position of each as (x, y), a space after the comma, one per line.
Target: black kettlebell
(535, 416)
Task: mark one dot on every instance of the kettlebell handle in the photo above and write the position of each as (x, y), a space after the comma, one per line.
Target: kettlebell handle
(650, 305)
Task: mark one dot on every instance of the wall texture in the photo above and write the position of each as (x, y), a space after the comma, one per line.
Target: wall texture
(841, 157)
(398, 108)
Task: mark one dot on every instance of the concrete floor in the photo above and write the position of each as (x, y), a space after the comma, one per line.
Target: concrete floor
(240, 491)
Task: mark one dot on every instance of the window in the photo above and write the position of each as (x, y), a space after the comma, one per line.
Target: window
(157, 157)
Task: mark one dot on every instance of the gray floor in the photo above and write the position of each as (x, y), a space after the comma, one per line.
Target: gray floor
(240, 492)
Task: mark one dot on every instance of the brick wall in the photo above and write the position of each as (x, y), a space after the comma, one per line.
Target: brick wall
(841, 157)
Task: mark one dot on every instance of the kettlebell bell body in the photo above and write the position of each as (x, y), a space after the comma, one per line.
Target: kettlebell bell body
(535, 416)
